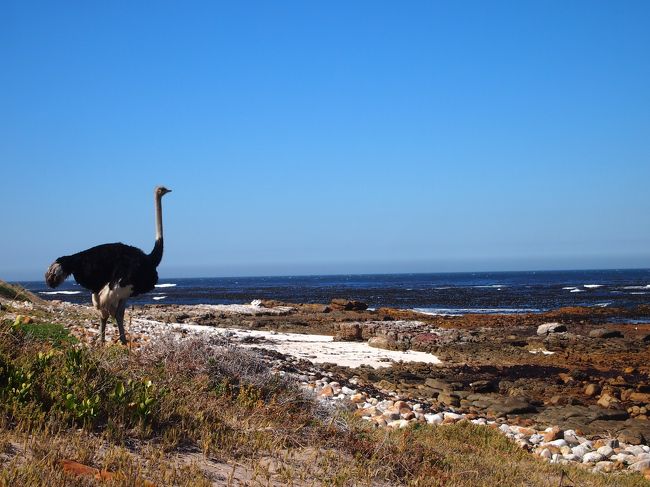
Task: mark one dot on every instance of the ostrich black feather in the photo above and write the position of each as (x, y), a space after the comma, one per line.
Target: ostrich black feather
(115, 264)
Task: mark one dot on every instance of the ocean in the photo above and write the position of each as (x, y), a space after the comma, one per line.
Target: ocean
(441, 293)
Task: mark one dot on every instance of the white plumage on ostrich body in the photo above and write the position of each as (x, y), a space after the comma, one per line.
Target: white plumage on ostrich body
(113, 272)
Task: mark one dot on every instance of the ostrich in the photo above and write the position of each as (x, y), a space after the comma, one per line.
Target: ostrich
(113, 272)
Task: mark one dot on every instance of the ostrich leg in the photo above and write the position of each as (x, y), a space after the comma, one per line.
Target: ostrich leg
(102, 329)
(119, 317)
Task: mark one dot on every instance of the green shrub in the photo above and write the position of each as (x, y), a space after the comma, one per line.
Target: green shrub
(54, 333)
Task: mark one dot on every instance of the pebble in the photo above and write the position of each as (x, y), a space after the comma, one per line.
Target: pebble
(570, 437)
(400, 423)
(592, 457)
(434, 418)
(641, 465)
(606, 451)
(556, 443)
(581, 450)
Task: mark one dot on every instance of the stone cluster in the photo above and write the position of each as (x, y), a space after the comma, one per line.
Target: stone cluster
(552, 444)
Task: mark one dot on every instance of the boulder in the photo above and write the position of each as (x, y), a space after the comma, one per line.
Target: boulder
(548, 328)
(382, 342)
(630, 436)
(348, 332)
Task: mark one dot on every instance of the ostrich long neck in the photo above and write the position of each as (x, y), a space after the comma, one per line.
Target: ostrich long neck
(157, 252)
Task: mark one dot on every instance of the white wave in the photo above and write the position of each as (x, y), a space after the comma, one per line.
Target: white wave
(463, 311)
(637, 287)
(491, 286)
(569, 288)
(592, 286)
(59, 292)
(639, 292)
(576, 290)
(166, 285)
(157, 298)
(602, 305)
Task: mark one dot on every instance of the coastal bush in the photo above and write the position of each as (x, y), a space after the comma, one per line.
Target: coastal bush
(54, 333)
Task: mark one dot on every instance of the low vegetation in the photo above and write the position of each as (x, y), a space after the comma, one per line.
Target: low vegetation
(16, 292)
(195, 412)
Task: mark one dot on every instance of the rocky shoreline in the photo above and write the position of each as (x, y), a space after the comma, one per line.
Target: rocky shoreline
(572, 385)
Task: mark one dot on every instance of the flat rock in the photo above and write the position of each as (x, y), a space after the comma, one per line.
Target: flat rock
(603, 333)
(631, 436)
(510, 405)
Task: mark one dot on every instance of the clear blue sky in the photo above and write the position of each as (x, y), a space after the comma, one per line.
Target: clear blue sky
(327, 137)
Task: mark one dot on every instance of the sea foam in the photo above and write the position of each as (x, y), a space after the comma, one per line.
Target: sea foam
(464, 311)
(166, 285)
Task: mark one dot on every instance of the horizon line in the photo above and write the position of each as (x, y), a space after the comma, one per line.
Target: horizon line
(613, 269)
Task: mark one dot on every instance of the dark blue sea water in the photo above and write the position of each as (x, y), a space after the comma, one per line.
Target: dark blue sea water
(444, 293)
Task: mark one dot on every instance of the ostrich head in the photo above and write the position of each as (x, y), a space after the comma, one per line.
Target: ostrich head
(162, 191)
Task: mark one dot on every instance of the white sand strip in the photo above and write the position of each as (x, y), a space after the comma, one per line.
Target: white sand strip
(246, 309)
(315, 348)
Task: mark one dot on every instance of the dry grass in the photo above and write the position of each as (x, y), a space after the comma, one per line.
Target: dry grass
(16, 292)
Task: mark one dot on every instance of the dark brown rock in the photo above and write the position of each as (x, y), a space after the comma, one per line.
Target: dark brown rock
(448, 399)
(483, 386)
(348, 305)
(633, 437)
(511, 405)
(603, 333)
(349, 332)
